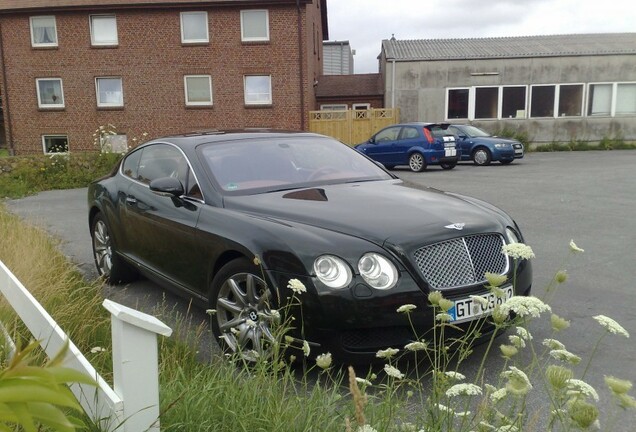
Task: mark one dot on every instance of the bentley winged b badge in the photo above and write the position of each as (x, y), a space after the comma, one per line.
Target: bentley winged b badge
(457, 226)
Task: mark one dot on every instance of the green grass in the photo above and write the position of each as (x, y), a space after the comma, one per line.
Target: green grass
(4, 152)
(27, 175)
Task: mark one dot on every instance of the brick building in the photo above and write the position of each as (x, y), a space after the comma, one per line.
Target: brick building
(155, 66)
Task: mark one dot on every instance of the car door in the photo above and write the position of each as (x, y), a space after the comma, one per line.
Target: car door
(384, 146)
(463, 141)
(410, 136)
(161, 229)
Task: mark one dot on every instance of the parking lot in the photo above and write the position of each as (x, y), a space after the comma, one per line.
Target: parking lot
(554, 197)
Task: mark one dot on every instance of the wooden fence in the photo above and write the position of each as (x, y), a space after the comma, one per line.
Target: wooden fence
(133, 404)
(352, 126)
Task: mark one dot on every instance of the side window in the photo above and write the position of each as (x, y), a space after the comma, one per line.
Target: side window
(388, 134)
(409, 133)
(131, 164)
(158, 161)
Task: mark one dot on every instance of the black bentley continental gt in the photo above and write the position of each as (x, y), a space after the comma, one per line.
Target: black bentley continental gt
(228, 219)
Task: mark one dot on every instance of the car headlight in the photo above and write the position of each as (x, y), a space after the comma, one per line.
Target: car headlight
(332, 271)
(512, 236)
(377, 271)
(502, 145)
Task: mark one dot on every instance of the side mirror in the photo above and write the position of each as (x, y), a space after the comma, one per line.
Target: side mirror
(372, 140)
(167, 186)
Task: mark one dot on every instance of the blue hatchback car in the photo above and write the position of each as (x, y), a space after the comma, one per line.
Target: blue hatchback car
(482, 148)
(414, 144)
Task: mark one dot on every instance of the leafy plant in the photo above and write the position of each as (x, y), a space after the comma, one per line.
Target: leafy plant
(32, 395)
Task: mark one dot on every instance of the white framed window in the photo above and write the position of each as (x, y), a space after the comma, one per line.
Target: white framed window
(109, 92)
(50, 92)
(625, 99)
(360, 106)
(194, 27)
(104, 30)
(258, 89)
(43, 31)
(254, 25)
(457, 103)
(198, 90)
(556, 100)
(333, 107)
(54, 144)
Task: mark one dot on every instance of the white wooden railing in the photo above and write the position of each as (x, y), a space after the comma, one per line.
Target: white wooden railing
(133, 404)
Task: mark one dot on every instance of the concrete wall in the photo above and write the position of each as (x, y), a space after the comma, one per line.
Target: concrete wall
(419, 90)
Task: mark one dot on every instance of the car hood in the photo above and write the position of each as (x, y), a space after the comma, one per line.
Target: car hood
(388, 211)
(494, 140)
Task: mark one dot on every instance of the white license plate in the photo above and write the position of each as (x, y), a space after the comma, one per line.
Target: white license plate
(518, 151)
(450, 152)
(467, 309)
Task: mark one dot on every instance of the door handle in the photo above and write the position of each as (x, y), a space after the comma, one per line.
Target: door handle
(131, 200)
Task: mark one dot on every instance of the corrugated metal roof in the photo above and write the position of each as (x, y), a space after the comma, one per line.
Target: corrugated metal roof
(510, 47)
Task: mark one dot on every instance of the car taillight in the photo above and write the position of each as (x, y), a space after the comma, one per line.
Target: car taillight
(429, 136)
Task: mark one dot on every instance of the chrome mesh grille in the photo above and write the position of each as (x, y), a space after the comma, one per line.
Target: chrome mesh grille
(461, 261)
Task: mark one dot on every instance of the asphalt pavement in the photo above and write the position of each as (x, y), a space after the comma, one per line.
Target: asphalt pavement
(589, 197)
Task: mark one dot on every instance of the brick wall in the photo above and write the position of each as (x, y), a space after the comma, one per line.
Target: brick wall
(151, 61)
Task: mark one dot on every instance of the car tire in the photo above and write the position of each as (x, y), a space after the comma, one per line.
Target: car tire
(417, 163)
(506, 162)
(482, 156)
(239, 293)
(109, 264)
(448, 166)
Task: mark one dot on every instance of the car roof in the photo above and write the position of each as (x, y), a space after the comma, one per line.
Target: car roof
(192, 139)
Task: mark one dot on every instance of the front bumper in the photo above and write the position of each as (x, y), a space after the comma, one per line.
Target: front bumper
(354, 323)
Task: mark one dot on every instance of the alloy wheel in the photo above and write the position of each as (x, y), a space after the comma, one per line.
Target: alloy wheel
(102, 248)
(244, 316)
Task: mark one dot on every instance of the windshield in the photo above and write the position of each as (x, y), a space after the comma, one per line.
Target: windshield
(473, 131)
(269, 164)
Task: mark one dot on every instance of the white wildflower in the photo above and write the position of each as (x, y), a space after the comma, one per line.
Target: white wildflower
(553, 344)
(455, 375)
(495, 279)
(518, 382)
(306, 349)
(466, 389)
(296, 286)
(443, 317)
(574, 248)
(524, 334)
(406, 308)
(210, 311)
(97, 349)
(611, 326)
(444, 408)
(387, 353)
(250, 323)
(363, 381)
(323, 361)
(393, 372)
(365, 428)
(518, 251)
(517, 341)
(508, 428)
(578, 387)
(480, 301)
(416, 346)
(498, 395)
(618, 386)
(524, 306)
(565, 356)
(463, 414)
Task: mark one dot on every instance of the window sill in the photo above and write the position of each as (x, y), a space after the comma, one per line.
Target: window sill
(257, 106)
(45, 109)
(44, 48)
(105, 46)
(194, 44)
(110, 108)
(199, 107)
(255, 42)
